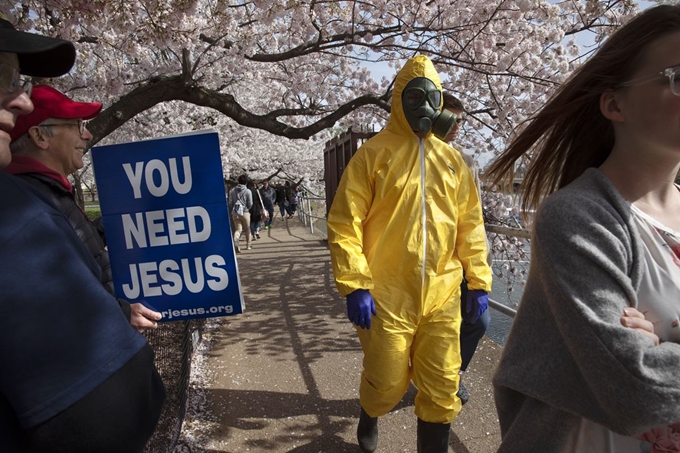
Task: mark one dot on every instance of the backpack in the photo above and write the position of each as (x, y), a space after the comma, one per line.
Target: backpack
(238, 208)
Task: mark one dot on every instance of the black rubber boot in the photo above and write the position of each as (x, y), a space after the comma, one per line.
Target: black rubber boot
(367, 432)
(433, 437)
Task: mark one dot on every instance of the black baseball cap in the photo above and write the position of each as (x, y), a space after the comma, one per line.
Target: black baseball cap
(39, 56)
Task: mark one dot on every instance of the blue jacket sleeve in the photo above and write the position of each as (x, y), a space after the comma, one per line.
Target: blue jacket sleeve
(62, 333)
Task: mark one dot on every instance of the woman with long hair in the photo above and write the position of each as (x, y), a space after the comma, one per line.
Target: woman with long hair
(593, 358)
(255, 211)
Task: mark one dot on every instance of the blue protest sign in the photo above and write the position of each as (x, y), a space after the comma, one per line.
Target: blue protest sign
(167, 225)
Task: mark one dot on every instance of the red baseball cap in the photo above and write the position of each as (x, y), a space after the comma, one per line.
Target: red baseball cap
(52, 103)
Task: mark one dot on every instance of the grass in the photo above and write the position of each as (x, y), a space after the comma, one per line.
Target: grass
(93, 212)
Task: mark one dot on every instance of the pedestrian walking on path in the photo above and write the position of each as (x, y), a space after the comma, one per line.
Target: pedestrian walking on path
(268, 195)
(255, 212)
(283, 376)
(470, 333)
(240, 202)
(405, 224)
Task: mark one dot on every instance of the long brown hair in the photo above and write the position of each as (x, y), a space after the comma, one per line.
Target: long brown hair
(569, 134)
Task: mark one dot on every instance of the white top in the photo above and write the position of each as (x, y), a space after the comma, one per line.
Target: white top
(659, 300)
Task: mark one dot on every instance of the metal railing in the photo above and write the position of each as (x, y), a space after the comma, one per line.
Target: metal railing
(309, 209)
(499, 307)
(173, 343)
(508, 231)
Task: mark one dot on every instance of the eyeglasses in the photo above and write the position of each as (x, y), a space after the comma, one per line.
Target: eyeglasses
(415, 97)
(80, 123)
(11, 80)
(671, 73)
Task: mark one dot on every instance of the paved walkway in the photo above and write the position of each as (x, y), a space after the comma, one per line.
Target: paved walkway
(284, 376)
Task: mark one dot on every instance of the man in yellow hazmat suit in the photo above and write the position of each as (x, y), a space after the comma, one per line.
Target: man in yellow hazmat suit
(405, 223)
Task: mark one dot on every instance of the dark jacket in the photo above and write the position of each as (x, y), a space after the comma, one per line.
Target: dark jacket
(268, 197)
(256, 209)
(62, 198)
(280, 195)
(69, 349)
(289, 194)
(84, 228)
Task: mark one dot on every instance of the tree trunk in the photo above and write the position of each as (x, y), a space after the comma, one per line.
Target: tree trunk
(78, 190)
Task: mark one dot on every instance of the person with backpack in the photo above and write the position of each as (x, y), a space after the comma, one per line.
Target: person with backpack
(240, 202)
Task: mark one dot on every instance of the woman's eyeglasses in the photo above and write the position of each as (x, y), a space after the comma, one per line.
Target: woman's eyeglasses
(672, 73)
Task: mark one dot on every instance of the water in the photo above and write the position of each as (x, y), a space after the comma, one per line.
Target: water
(501, 323)
(499, 327)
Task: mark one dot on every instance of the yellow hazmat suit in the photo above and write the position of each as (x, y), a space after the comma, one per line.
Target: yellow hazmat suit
(405, 223)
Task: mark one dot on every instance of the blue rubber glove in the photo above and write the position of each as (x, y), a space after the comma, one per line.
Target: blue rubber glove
(360, 305)
(476, 303)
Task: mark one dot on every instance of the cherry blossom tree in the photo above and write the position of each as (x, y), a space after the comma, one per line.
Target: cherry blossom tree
(293, 68)
(277, 78)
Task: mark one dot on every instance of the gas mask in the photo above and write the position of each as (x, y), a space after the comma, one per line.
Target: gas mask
(421, 100)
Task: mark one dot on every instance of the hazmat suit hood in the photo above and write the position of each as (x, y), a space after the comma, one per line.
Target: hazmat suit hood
(419, 66)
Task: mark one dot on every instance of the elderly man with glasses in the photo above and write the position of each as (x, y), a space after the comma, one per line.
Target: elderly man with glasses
(75, 375)
(47, 146)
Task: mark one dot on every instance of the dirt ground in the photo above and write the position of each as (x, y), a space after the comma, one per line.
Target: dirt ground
(284, 375)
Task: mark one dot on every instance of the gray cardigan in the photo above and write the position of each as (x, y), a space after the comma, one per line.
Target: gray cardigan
(568, 356)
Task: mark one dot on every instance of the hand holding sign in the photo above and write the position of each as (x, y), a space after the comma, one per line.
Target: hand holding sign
(141, 318)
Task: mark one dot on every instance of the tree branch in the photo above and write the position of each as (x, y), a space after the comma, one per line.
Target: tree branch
(175, 89)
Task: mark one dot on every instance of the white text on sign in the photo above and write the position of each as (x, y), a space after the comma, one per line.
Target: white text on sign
(154, 279)
(152, 224)
(156, 166)
(168, 227)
